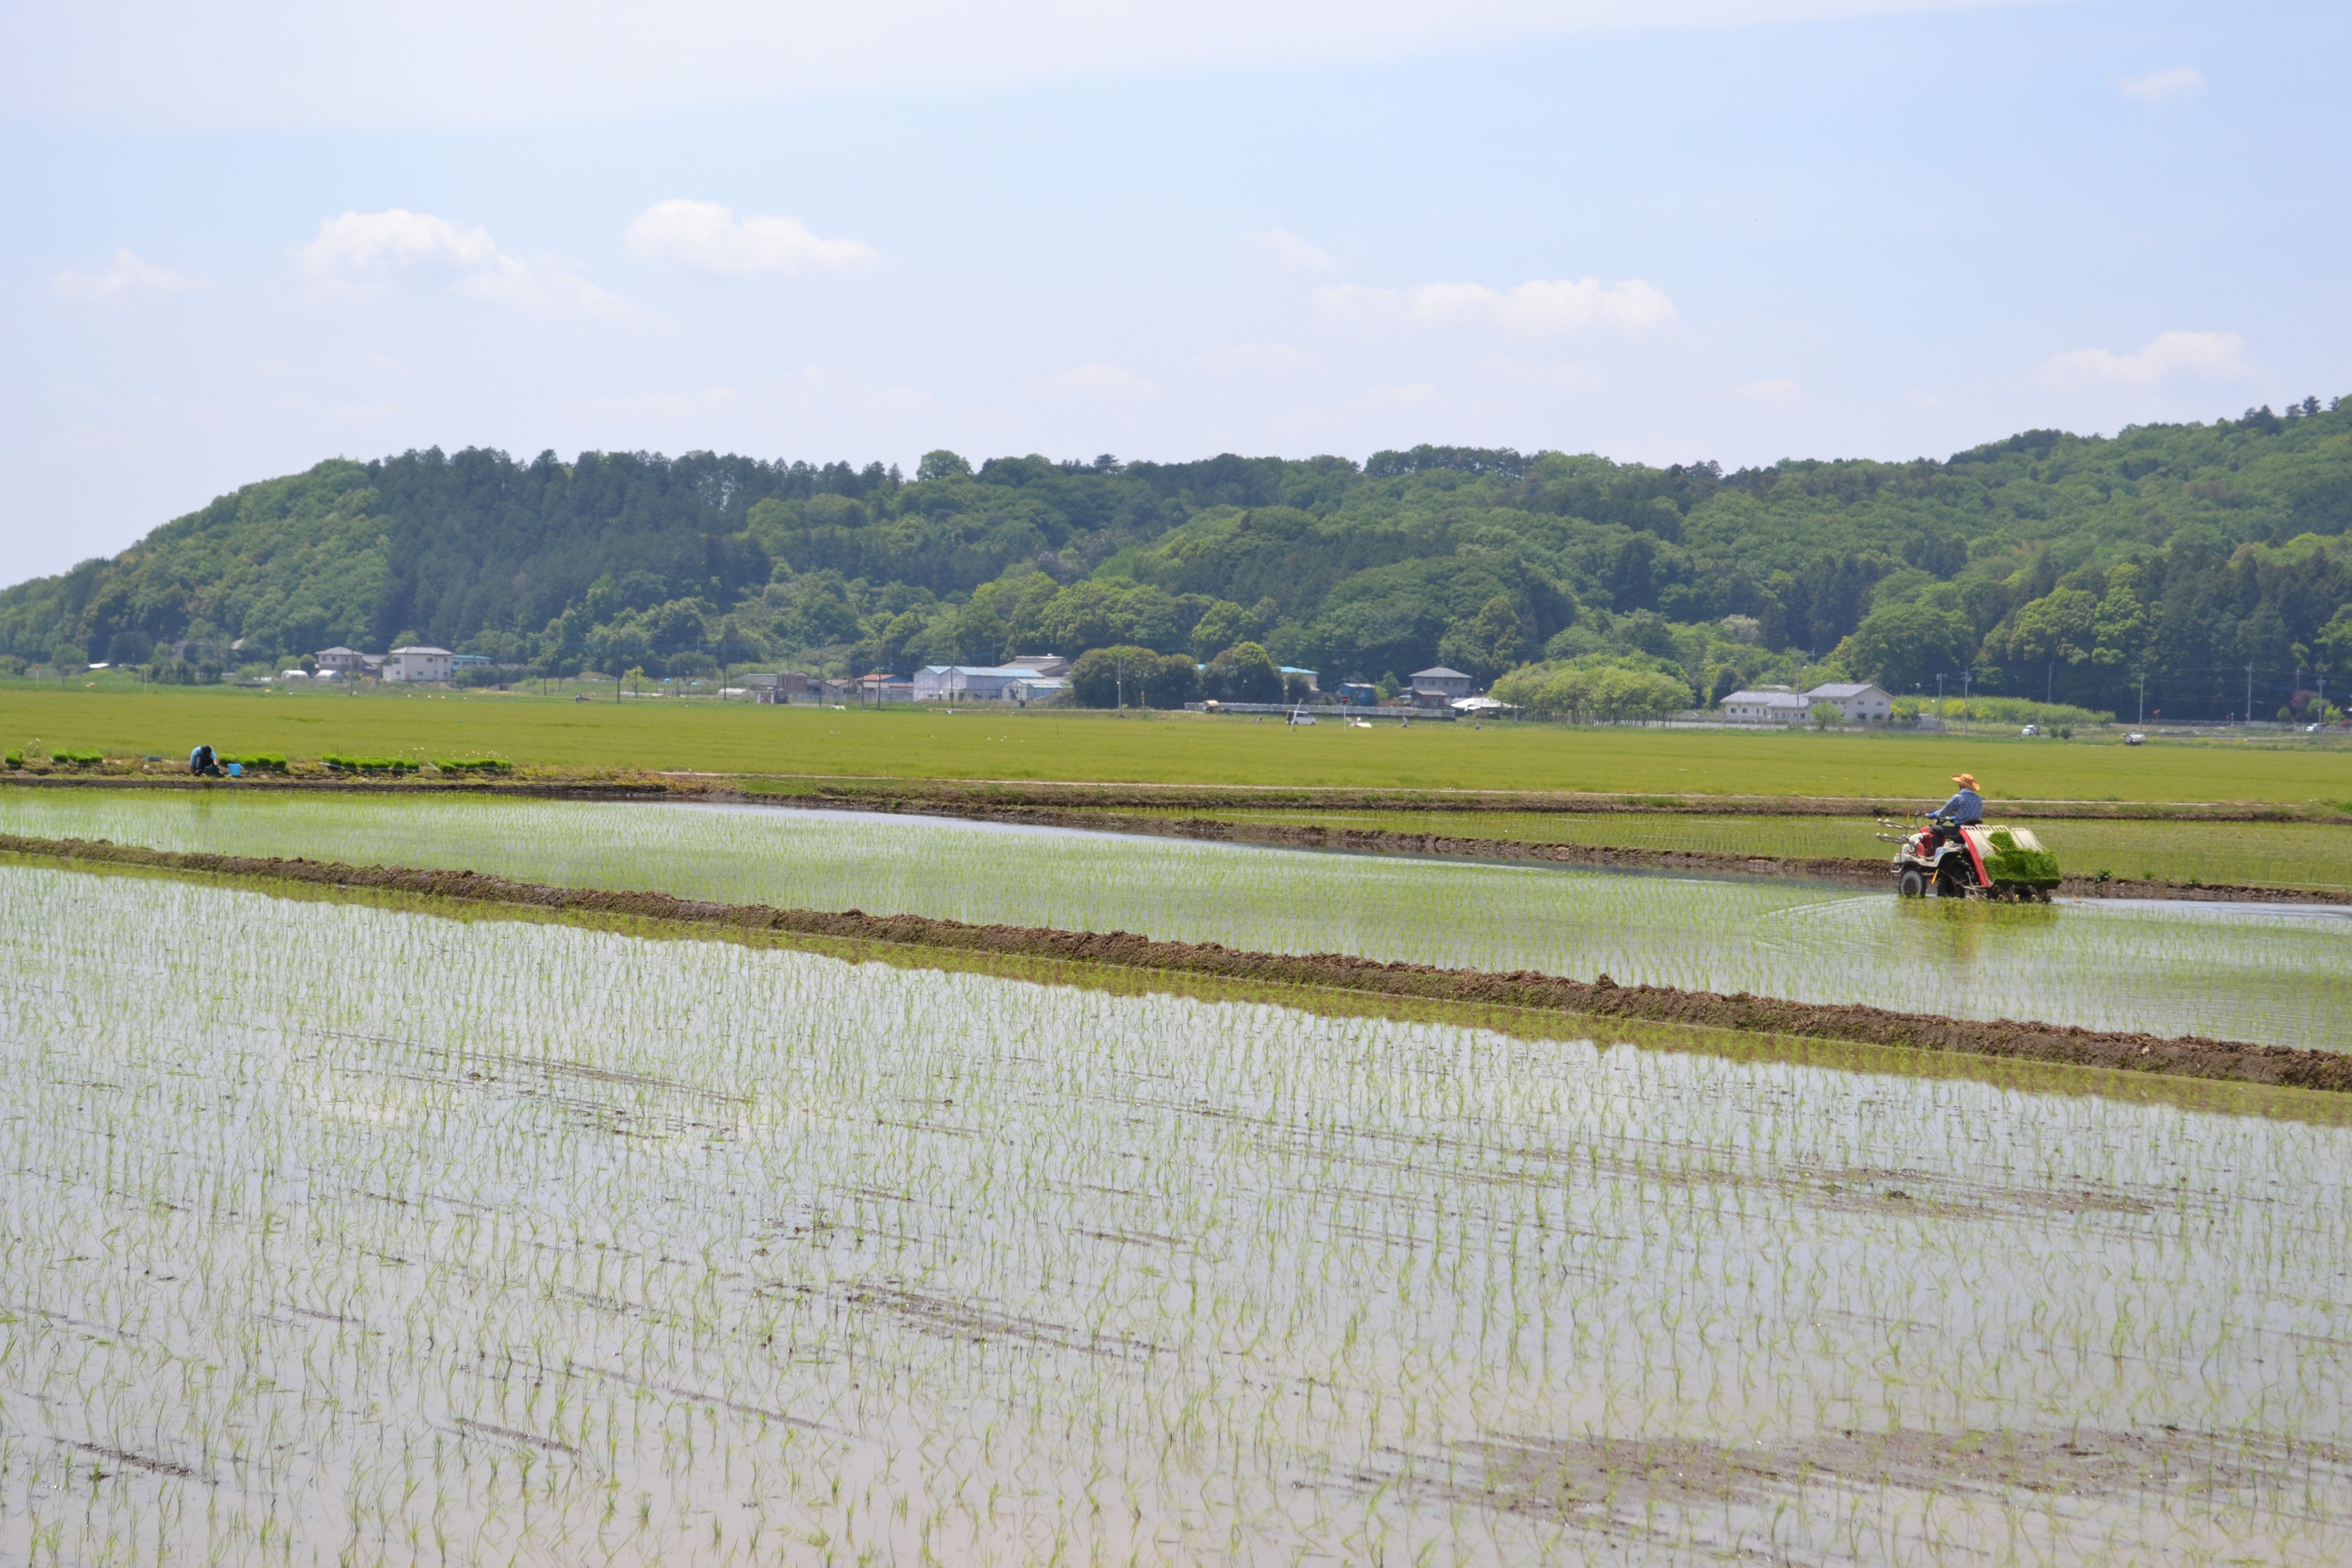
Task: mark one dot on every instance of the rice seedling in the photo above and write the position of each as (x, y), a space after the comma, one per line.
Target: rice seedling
(2277, 976)
(342, 1234)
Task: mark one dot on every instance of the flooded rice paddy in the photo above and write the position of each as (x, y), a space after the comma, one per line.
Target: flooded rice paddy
(2271, 855)
(2273, 975)
(338, 1234)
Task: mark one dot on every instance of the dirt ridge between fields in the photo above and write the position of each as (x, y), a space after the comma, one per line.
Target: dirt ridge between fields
(905, 794)
(2191, 1056)
(838, 789)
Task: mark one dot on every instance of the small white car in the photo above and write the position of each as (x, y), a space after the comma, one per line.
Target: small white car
(2135, 738)
(2032, 729)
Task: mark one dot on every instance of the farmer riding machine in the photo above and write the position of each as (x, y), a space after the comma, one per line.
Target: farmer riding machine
(1953, 861)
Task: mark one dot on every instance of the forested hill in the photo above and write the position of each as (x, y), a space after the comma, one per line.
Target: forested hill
(2046, 563)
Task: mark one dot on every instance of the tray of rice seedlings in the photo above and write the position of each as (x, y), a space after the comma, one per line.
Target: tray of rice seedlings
(374, 1235)
(2016, 865)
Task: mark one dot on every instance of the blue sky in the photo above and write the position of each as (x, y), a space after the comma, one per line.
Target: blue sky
(245, 239)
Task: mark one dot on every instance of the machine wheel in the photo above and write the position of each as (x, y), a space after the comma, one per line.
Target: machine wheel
(1950, 883)
(1911, 883)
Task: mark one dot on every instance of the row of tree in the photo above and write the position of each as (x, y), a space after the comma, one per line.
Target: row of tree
(2081, 569)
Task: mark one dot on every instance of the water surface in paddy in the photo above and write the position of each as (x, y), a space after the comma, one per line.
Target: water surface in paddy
(365, 1235)
(2276, 976)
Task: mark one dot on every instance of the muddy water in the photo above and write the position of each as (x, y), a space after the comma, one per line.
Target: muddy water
(2274, 975)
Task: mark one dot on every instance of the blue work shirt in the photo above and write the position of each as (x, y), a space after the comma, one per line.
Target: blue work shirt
(1966, 808)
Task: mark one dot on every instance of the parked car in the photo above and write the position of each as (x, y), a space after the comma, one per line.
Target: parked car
(2032, 729)
(2135, 738)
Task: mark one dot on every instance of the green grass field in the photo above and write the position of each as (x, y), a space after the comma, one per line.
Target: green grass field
(930, 743)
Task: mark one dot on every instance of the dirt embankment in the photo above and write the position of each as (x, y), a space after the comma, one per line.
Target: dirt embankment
(938, 794)
(949, 794)
(2189, 1056)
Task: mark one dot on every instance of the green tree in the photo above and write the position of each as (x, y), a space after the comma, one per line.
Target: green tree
(1244, 672)
(1905, 646)
(2061, 625)
(1170, 681)
(1103, 677)
(1486, 645)
(822, 614)
(2119, 627)
(2335, 637)
(1221, 625)
(941, 465)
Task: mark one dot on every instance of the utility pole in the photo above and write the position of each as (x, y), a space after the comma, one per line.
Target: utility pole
(1939, 703)
(1966, 677)
(2142, 720)
(2249, 696)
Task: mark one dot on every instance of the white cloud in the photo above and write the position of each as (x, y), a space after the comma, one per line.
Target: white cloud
(1778, 391)
(359, 253)
(128, 275)
(710, 239)
(2207, 356)
(444, 63)
(1258, 360)
(1282, 250)
(1920, 397)
(1534, 309)
(1101, 380)
(372, 243)
(2163, 87)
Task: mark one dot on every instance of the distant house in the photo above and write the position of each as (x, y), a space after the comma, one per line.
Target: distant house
(968, 683)
(1856, 702)
(1436, 686)
(1357, 694)
(882, 686)
(418, 663)
(338, 661)
(1309, 676)
(1037, 689)
(775, 685)
(1047, 664)
(1765, 705)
